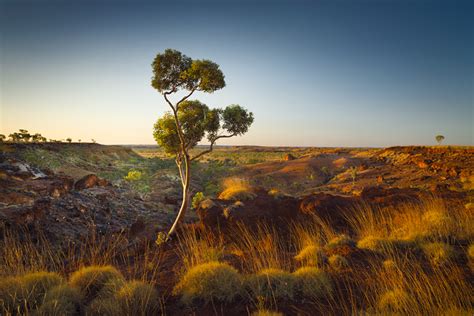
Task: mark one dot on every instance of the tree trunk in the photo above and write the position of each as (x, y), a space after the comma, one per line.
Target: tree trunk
(185, 201)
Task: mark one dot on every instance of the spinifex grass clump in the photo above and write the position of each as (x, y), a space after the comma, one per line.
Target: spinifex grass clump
(237, 189)
(439, 253)
(312, 255)
(91, 280)
(209, 282)
(271, 284)
(23, 293)
(312, 283)
(62, 300)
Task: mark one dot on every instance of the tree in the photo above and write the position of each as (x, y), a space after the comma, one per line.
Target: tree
(182, 128)
(2, 138)
(439, 139)
(69, 140)
(36, 138)
(24, 135)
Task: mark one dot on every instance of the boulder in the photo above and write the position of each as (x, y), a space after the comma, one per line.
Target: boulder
(89, 181)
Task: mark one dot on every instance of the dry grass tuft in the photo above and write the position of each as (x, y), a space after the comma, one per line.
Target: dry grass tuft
(237, 189)
(376, 244)
(311, 255)
(211, 281)
(138, 298)
(338, 262)
(394, 301)
(439, 253)
(271, 284)
(92, 280)
(265, 312)
(313, 283)
(62, 300)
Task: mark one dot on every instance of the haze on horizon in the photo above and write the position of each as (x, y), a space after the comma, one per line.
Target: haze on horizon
(314, 73)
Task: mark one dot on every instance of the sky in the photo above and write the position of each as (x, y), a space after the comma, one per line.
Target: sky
(314, 73)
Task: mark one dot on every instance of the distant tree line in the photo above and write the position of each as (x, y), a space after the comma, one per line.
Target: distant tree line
(23, 136)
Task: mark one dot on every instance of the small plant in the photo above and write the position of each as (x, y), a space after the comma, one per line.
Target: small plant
(313, 283)
(61, 300)
(376, 244)
(312, 255)
(197, 199)
(91, 280)
(133, 175)
(338, 262)
(138, 298)
(439, 253)
(394, 301)
(341, 241)
(211, 281)
(271, 283)
(353, 171)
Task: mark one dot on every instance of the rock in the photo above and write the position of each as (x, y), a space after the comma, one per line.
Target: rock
(89, 181)
(380, 179)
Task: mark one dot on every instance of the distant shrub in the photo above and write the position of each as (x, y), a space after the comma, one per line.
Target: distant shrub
(91, 280)
(61, 300)
(138, 298)
(133, 175)
(394, 301)
(197, 199)
(237, 189)
(439, 253)
(338, 262)
(271, 284)
(311, 255)
(208, 282)
(313, 283)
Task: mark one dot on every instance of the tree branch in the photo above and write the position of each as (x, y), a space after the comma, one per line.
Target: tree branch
(211, 146)
(184, 98)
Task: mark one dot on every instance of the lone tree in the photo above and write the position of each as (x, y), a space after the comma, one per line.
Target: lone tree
(182, 128)
(439, 139)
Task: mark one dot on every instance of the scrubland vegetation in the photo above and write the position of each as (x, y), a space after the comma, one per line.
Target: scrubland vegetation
(414, 259)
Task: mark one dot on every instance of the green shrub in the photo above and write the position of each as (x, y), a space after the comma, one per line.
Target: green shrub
(208, 282)
(312, 255)
(439, 253)
(138, 298)
(197, 199)
(394, 301)
(133, 175)
(271, 284)
(313, 283)
(91, 280)
(61, 300)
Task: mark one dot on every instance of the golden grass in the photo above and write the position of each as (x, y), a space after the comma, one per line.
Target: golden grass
(439, 253)
(338, 262)
(271, 284)
(62, 300)
(265, 312)
(236, 189)
(312, 283)
(209, 282)
(92, 280)
(312, 255)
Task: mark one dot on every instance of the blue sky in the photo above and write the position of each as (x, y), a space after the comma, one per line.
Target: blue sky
(315, 73)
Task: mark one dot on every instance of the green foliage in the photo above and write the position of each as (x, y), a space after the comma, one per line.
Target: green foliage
(236, 119)
(197, 199)
(2, 138)
(91, 280)
(133, 175)
(173, 70)
(439, 138)
(211, 281)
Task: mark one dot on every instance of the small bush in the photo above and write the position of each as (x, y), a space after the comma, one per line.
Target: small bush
(311, 255)
(209, 281)
(313, 283)
(438, 223)
(133, 175)
(61, 300)
(394, 301)
(389, 265)
(104, 307)
(439, 253)
(271, 283)
(338, 262)
(138, 298)
(197, 199)
(91, 280)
